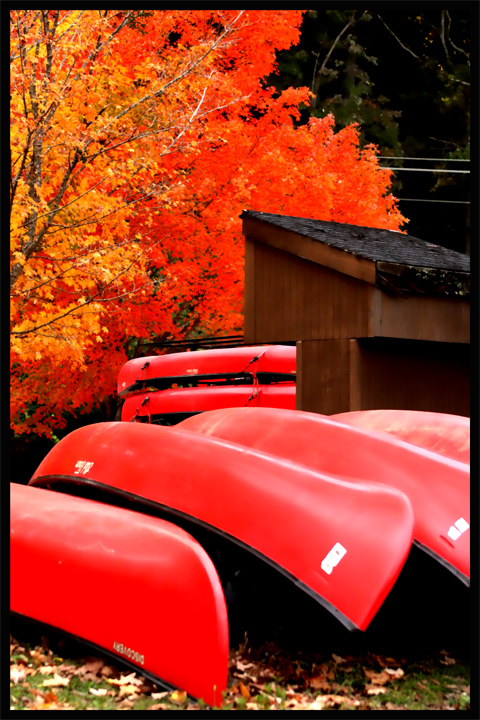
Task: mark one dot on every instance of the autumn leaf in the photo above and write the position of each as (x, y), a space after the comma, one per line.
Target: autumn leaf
(159, 695)
(448, 661)
(17, 673)
(178, 696)
(128, 690)
(56, 681)
(377, 678)
(131, 679)
(245, 692)
(395, 674)
(324, 701)
(375, 689)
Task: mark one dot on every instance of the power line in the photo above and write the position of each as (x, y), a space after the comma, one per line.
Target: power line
(391, 157)
(430, 170)
(451, 202)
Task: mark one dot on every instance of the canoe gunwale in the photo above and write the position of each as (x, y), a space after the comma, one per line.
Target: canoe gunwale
(448, 566)
(161, 382)
(165, 511)
(160, 418)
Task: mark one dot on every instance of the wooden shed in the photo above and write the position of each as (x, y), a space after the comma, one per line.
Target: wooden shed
(381, 319)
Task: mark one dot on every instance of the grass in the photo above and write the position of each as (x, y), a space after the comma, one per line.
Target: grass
(265, 677)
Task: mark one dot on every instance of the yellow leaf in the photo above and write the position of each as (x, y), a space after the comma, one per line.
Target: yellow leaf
(178, 696)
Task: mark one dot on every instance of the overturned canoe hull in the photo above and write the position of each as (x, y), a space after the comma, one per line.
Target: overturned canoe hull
(445, 434)
(164, 404)
(270, 362)
(136, 586)
(437, 486)
(343, 543)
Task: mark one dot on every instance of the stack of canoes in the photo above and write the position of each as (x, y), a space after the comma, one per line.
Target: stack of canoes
(166, 389)
(124, 524)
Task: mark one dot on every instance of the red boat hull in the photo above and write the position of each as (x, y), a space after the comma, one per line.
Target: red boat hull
(437, 487)
(268, 359)
(342, 542)
(137, 586)
(194, 400)
(448, 435)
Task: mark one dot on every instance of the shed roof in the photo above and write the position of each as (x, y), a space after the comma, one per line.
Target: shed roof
(403, 263)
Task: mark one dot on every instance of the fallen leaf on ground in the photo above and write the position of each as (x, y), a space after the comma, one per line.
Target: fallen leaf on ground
(98, 691)
(56, 681)
(17, 673)
(128, 690)
(48, 669)
(131, 679)
(375, 689)
(323, 701)
(67, 668)
(398, 673)
(243, 666)
(448, 661)
(338, 659)
(377, 678)
(38, 657)
(92, 666)
(178, 696)
(107, 671)
(159, 695)
(244, 691)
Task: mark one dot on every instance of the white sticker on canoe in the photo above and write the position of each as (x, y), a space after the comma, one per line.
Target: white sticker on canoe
(332, 558)
(83, 466)
(458, 528)
(192, 371)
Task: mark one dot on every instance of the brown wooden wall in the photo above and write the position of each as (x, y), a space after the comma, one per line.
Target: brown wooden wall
(418, 317)
(343, 375)
(358, 347)
(288, 298)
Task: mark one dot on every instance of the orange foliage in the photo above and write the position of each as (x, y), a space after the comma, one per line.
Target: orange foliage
(137, 139)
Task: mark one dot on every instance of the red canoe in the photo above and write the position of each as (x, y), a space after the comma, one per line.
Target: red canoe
(138, 587)
(437, 486)
(342, 542)
(165, 405)
(448, 435)
(266, 362)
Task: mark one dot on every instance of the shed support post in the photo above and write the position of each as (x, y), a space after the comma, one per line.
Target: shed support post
(324, 375)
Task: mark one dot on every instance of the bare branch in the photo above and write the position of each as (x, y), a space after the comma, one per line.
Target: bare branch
(397, 39)
(315, 85)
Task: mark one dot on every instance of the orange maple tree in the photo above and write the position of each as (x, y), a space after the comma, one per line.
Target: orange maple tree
(137, 138)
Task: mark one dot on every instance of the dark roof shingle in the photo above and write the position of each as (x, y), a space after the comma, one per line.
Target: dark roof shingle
(426, 267)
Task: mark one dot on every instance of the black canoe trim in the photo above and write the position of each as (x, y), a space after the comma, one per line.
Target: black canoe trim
(48, 481)
(169, 418)
(207, 379)
(120, 659)
(458, 574)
